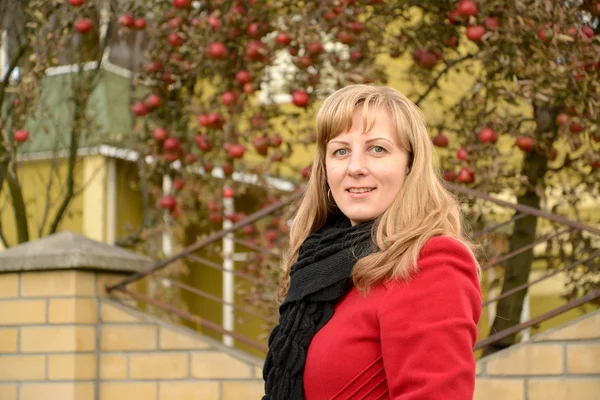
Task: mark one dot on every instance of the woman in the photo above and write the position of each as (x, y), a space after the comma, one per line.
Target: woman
(381, 291)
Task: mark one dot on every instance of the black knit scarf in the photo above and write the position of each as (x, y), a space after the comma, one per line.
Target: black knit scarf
(320, 277)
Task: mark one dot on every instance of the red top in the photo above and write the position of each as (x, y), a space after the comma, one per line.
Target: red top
(404, 341)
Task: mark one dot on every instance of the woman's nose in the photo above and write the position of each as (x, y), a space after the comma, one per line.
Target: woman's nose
(357, 166)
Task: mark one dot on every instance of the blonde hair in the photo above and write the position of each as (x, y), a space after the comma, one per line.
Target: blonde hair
(423, 208)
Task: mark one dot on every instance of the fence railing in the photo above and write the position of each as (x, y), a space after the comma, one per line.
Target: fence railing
(489, 230)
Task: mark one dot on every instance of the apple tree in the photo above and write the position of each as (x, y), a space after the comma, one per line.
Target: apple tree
(524, 76)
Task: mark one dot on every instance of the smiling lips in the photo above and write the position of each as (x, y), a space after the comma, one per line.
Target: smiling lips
(359, 192)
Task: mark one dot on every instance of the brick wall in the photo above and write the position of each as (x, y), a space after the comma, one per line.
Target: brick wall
(560, 364)
(61, 338)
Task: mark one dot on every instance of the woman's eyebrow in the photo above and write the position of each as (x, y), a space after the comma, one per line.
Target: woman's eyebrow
(368, 141)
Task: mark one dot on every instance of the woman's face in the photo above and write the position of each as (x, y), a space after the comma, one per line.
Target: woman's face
(366, 171)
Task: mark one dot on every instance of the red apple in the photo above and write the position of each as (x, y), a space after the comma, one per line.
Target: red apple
(467, 8)
(76, 3)
(208, 166)
(271, 235)
(576, 127)
(562, 119)
(466, 175)
(140, 23)
(451, 42)
(242, 77)
(462, 154)
(449, 175)
(160, 134)
(454, 17)
(213, 206)
(545, 33)
(258, 120)
(216, 120)
(425, 58)
(305, 172)
(345, 37)
(440, 140)
(256, 50)
(355, 55)
(303, 62)
(171, 144)
(83, 25)
(488, 135)
(475, 32)
(176, 39)
(283, 39)
(248, 88)
(126, 21)
(492, 23)
(175, 22)
(300, 98)
(314, 48)
(203, 120)
(236, 151)
(217, 51)
(261, 144)
(228, 193)
(277, 156)
(227, 169)
(181, 3)
(214, 21)
(171, 156)
(154, 66)
(356, 26)
(276, 141)
(191, 158)
(525, 143)
(215, 218)
(255, 30)
(153, 101)
(329, 16)
(21, 135)
(203, 143)
(168, 202)
(167, 78)
(229, 99)
(248, 230)
(571, 31)
(139, 109)
(178, 184)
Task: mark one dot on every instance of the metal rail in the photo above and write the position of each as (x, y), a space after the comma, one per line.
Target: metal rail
(193, 318)
(522, 211)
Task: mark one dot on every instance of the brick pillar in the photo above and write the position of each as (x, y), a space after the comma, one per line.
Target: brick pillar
(49, 313)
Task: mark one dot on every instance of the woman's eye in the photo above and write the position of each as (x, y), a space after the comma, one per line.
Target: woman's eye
(340, 152)
(378, 149)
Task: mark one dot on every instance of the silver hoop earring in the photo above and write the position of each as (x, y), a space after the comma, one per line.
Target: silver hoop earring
(329, 196)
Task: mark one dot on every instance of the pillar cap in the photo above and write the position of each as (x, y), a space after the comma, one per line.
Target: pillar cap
(69, 250)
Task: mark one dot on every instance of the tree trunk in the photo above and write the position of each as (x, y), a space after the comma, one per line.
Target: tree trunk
(517, 269)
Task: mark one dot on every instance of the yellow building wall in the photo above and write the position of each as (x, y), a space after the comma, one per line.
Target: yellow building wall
(40, 202)
(128, 199)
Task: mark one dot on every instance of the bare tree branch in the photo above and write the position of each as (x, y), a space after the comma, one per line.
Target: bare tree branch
(434, 82)
(49, 183)
(18, 204)
(11, 67)
(3, 238)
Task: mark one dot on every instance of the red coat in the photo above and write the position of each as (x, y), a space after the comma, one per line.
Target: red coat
(404, 341)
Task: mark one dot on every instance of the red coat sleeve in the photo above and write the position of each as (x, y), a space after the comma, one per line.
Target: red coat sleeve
(429, 326)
